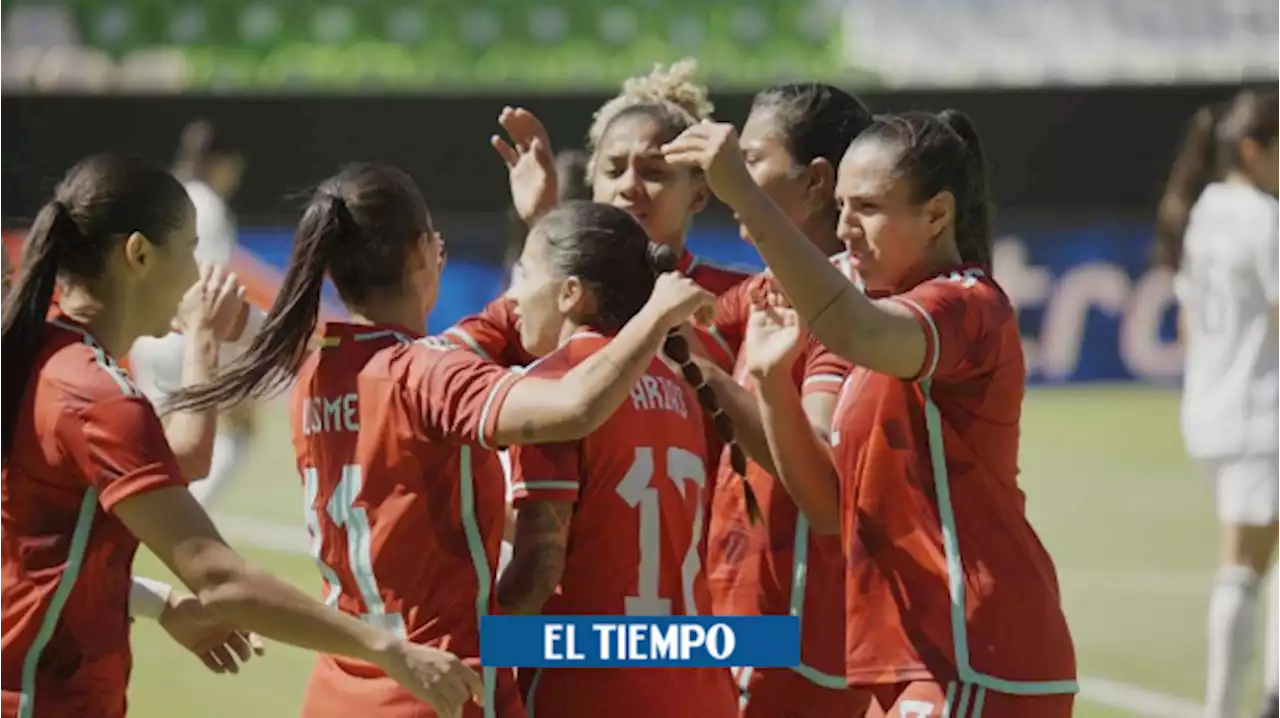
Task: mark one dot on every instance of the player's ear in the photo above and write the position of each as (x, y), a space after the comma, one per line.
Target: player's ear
(572, 299)
(137, 252)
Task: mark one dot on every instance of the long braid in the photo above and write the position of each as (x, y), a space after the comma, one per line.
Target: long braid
(676, 347)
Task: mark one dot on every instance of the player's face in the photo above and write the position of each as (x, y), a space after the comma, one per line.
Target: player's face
(887, 233)
(764, 149)
(630, 173)
(536, 291)
(162, 272)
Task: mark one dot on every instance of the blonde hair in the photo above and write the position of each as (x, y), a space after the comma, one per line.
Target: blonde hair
(669, 92)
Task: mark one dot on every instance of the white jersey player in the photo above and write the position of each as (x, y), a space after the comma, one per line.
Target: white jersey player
(211, 173)
(1227, 286)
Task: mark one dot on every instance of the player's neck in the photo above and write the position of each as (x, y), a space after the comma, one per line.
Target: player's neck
(109, 322)
(405, 314)
(567, 330)
(823, 237)
(1238, 177)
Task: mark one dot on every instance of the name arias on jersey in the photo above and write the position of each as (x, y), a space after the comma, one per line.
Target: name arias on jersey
(639, 642)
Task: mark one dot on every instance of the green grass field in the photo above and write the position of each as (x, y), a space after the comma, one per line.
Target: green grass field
(1126, 516)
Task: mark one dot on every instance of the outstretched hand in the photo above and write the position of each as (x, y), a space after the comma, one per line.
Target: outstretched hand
(214, 304)
(219, 646)
(774, 336)
(713, 148)
(531, 166)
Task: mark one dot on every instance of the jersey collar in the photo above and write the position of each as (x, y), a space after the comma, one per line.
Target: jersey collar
(921, 276)
(336, 333)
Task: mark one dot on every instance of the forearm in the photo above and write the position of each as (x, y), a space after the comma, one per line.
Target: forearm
(744, 411)
(190, 433)
(590, 392)
(530, 579)
(802, 461)
(254, 600)
(834, 311)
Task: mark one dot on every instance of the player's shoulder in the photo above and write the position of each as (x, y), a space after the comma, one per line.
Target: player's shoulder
(971, 284)
(428, 354)
(571, 353)
(79, 370)
(1233, 199)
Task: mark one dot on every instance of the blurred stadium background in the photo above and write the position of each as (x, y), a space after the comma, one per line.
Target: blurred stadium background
(1081, 103)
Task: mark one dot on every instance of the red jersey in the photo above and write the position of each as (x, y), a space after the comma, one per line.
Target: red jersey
(405, 504)
(946, 578)
(778, 566)
(86, 439)
(637, 483)
(494, 333)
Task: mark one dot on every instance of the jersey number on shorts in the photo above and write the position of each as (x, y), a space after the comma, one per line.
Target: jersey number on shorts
(685, 469)
(344, 514)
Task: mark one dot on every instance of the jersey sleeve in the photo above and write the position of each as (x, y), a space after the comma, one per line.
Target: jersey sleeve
(119, 446)
(952, 312)
(546, 472)
(493, 334)
(458, 395)
(824, 371)
(727, 332)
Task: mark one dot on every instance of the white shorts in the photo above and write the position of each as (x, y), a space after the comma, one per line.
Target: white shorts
(1246, 489)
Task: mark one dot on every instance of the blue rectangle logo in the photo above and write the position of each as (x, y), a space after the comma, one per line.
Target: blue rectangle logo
(639, 642)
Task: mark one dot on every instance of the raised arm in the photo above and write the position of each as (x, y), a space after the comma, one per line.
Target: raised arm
(801, 456)
(211, 311)
(538, 410)
(881, 335)
(802, 459)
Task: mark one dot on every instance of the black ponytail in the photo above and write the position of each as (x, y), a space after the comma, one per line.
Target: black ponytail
(974, 213)
(28, 303)
(102, 201)
(1194, 168)
(359, 228)
(278, 349)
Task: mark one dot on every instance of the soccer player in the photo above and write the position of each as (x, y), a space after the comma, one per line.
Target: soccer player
(611, 524)
(792, 143)
(88, 474)
(211, 170)
(393, 435)
(625, 170)
(952, 605)
(1216, 228)
(571, 183)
